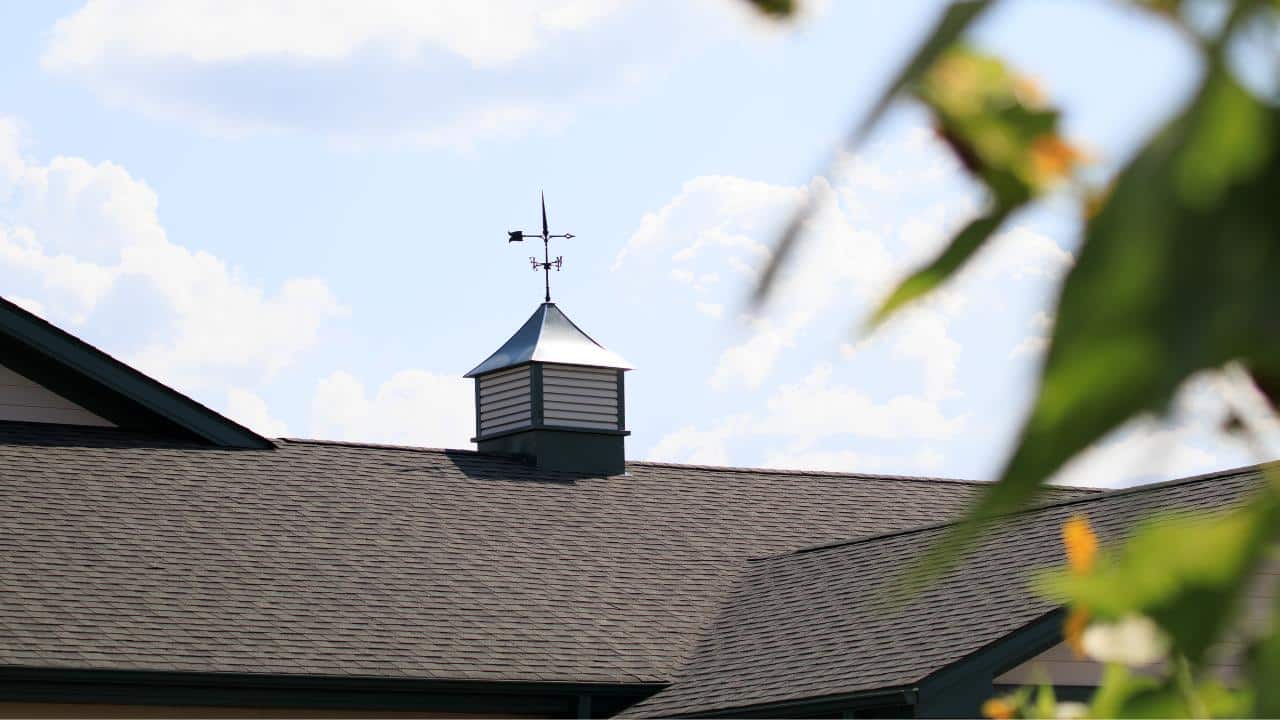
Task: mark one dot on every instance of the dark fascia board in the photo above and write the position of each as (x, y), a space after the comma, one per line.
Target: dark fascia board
(978, 669)
(105, 372)
(142, 687)
(818, 706)
(1007, 651)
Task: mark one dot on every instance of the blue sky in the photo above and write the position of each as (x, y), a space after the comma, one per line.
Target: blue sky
(296, 212)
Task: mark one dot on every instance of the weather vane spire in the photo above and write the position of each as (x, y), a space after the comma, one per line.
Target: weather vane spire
(547, 263)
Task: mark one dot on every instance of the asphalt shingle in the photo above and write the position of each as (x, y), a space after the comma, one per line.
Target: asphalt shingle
(827, 621)
(123, 551)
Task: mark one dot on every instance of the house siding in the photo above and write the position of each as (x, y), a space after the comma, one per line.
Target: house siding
(25, 400)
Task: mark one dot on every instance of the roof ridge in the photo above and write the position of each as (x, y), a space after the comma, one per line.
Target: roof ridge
(822, 473)
(683, 466)
(1101, 495)
(383, 446)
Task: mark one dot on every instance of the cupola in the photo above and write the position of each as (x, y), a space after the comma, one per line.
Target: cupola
(553, 395)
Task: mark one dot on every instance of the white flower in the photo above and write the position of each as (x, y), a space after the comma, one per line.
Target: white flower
(1071, 711)
(1135, 641)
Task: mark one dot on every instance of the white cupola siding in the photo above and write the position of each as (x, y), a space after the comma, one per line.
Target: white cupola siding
(581, 397)
(553, 394)
(504, 400)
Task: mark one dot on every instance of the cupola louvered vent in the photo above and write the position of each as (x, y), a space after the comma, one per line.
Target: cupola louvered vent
(505, 402)
(555, 395)
(581, 397)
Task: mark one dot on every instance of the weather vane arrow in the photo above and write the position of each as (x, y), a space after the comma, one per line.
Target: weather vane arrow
(547, 263)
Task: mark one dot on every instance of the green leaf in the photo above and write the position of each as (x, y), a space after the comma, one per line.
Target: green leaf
(950, 27)
(1004, 136)
(1046, 703)
(1118, 686)
(775, 8)
(997, 124)
(1264, 669)
(1176, 274)
(1168, 701)
(926, 279)
(1188, 573)
(1124, 694)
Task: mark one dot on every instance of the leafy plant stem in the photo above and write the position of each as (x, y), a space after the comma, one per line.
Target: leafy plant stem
(1186, 686)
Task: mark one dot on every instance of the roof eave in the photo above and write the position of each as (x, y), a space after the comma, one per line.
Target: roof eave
(97, 368)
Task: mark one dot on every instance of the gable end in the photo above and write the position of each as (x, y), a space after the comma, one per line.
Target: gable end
(108, 388)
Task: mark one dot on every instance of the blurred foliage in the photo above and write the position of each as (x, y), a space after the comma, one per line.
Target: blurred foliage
(1000, 129)
(1178, 271)
(1187, 573)
(776, 8)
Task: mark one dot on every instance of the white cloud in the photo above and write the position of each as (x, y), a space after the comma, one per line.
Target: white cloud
(1144, 451)
(32, 306)
(922, 334)
(749, 363)
(926, 461)
(430, 74)
(867, 232)
(1019, 252)
(1190, 440)
(798, 416)
(712, 310)
(817, 408)
(483, 32)
(251, 411)
(719, 223)
(1035, 344)
(701, 447)
(929, 460)
(710, 211)
(1030, 346)
(843, 461)
(1042, 322)
(412, 407)
(84, 241)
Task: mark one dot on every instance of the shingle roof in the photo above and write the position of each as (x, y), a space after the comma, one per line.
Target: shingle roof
(825, 621)
(121, 551)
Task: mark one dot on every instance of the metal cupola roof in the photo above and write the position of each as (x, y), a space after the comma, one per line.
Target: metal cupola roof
(549, 336)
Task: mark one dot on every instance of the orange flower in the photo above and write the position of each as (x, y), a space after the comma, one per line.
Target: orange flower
(1052, 157)
(998, 709)
(1081, 544)
(1073, 630)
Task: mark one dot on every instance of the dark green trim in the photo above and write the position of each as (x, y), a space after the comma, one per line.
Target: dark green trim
(476, 381)
(305, 691)
(582, 431)
(536, 416)
(622, 397)
(590, 452)
(107, 387)
(959, 689)
(825, 706)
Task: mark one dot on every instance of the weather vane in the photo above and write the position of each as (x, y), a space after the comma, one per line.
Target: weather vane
(547, 263)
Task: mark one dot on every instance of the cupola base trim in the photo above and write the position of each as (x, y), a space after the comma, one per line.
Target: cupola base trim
(586, 452)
